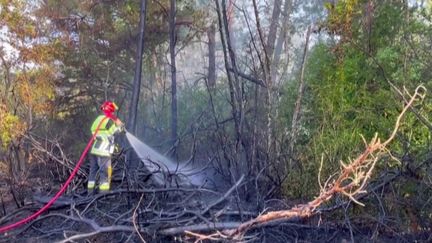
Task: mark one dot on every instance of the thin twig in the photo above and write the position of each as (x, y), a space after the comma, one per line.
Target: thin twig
(134, 219)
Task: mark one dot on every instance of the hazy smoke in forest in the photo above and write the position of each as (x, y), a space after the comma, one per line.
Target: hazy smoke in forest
(164, 170)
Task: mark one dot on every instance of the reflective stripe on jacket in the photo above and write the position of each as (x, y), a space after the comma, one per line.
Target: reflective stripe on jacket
(104, 141)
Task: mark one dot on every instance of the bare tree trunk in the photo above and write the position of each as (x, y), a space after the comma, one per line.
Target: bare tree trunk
(230, 82)
(232, 162)
(269, 50)
(273, 27)
(263, 44)
(132, 160)
(172, 18)
(237, 90)
(211, 76)
(133, 109)
(297, 109)
(280, 40)
(267, 95)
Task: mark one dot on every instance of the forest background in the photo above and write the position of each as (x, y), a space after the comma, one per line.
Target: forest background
(277, 91)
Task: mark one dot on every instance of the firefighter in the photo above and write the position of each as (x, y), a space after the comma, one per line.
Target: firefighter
(103, 147)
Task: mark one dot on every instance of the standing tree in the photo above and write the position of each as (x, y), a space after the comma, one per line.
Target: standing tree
(132, 161)
(211, 73)
(138, 70)
(172, 44)
(28, 72)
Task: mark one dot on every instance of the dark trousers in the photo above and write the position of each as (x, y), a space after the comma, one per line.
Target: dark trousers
(101, 165)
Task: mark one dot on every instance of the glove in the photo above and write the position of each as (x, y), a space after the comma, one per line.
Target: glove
(122, 128)
(117, 149)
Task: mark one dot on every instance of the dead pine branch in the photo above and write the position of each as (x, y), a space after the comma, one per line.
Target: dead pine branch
(350, 181)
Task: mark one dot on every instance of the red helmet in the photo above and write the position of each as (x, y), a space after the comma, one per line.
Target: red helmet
(109, 106)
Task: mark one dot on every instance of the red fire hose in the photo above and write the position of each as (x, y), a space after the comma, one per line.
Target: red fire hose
(62, 189)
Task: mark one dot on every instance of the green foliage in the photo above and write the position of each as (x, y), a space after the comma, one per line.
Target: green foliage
(11, 127)
(98, 45)
(348, 94)
(8, 124)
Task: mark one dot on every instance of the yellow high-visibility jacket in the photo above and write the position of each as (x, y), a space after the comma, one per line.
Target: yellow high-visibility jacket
(104, 141)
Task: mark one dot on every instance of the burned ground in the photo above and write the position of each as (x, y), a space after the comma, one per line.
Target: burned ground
(159, 214)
